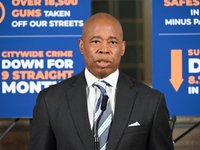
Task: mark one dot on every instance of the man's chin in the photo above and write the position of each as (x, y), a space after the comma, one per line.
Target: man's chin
(103, 73)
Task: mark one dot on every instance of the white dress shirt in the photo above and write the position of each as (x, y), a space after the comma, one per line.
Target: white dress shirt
(93, 92)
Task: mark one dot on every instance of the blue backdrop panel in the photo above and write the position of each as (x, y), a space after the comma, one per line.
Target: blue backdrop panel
(176, 54)
(38, 47)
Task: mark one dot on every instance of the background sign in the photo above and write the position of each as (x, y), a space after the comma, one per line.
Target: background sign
(38, 47)
(176, 54)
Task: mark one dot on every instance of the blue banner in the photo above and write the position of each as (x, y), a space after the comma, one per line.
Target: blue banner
(39, 48)
(176, 54)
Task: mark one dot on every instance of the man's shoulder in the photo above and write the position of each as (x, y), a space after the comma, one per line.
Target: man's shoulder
(63, 85)
(140, 86)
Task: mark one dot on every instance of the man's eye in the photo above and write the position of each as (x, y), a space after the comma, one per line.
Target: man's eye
(95, 41)
(113, 42)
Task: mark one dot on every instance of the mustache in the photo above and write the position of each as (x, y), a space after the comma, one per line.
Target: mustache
(106, 59)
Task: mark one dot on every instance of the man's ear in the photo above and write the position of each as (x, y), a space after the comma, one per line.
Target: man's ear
(123, 48)
(80, 43)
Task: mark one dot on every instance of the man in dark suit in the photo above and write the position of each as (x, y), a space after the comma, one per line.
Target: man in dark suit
(63, 115)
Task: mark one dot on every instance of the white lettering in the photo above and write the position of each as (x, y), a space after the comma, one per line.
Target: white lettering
(59, 13)
(25, 87)
(25, 64)
(194, 65)
(60, 63)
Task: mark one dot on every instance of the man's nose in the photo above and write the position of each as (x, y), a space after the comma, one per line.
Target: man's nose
(104, 48)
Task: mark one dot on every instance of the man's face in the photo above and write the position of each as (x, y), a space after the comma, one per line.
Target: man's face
(102, 46)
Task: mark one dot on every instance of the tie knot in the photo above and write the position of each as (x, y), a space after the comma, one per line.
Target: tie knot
(101, 85)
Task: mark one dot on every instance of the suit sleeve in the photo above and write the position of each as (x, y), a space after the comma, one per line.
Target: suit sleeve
(41, 134)
(161, 135)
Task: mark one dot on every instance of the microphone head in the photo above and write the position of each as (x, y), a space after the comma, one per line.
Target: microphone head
(104, 102)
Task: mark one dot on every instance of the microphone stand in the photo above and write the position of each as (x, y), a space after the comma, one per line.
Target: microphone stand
(103, 108)
(96, 138)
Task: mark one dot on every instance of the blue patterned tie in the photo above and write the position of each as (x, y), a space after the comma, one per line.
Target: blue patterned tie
(106, 118)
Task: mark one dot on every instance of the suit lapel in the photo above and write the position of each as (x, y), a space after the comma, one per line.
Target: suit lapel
(125, 98)
(78, 107)
(77, 100)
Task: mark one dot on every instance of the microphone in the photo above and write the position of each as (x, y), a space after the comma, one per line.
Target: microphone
(103, 108)
(104, 102)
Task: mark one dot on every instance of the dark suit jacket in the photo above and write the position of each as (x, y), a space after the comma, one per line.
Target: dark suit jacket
(60, 118)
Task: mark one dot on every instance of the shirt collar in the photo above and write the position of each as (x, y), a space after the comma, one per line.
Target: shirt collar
(111, 79)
